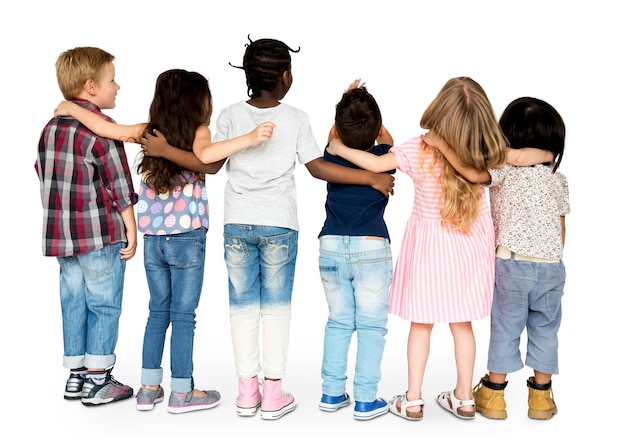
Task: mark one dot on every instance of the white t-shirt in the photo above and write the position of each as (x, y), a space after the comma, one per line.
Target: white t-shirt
(261, 188)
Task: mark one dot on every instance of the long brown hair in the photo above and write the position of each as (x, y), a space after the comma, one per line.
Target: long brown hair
(181, 104)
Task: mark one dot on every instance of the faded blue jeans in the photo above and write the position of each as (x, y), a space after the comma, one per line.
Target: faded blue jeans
(91, 288)
(261, 262)
(174, 266)
(356, 274)
(527, 296)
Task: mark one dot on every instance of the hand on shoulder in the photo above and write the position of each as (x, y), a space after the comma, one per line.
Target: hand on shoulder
(64, 109)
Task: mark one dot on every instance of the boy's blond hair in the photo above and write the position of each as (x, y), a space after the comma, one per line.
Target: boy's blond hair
(76, 66)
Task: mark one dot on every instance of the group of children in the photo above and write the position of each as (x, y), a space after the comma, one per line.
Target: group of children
(459, 242)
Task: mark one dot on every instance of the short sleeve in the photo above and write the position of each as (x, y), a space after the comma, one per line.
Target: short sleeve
(406, 155)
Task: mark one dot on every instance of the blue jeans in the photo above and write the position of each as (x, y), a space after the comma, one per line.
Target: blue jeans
(527, 295)
(174, 267)
(261, 262)
(356, 274)
(91, 287)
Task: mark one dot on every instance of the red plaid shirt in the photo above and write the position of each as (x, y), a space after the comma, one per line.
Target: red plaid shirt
(85, 184)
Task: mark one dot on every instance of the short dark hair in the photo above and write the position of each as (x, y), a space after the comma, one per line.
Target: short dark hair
(264, 62)
(532, 122)
(358, 119)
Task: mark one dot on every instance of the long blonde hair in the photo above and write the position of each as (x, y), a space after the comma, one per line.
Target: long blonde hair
(463, 116)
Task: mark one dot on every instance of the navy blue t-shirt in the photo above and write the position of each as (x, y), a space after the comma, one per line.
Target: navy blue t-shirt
(355, 210)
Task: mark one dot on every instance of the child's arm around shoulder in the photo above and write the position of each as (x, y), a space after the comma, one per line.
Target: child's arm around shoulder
(124, 133)
(157, 146)
(208, 152)
(363, 159)
(528, 156)
(470, 173)
(331, 172)
(334, 173)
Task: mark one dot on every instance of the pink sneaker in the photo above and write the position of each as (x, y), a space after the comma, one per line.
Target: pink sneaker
(249, 399)
(276, 403)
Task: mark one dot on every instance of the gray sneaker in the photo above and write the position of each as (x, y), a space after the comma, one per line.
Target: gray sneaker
(109, 391)
(147, 398)
(181, 402)
(74, 386)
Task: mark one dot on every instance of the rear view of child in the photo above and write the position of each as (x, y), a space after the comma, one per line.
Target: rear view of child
(261, 223)
(529, 205)
(87, 196)
(355, 264)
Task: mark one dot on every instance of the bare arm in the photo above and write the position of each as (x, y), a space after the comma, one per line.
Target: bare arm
(128, 216)
(528, 156)
(563, 229)
(331, 172)
(470, 173)
(209, 152)
(124, 133)
(363, 159)
(157, 146)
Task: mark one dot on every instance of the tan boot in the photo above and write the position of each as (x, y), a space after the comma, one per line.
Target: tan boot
(489, 398)
(540, 400)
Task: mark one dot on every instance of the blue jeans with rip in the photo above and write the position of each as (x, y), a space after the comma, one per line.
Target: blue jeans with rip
(356, 274)
(174, 266)
(261, 263)
(91, 290)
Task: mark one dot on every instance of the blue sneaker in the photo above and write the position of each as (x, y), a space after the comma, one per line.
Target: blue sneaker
(333, 403)
(370, 410)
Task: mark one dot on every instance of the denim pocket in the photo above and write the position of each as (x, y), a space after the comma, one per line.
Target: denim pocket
(183, 249)
(375, 274)
(329, 273)
(511, 302)
(235, 249)
(276, 248)
(100, 261)
(552, 281)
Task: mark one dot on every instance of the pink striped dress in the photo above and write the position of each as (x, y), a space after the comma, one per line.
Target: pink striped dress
(441, 274)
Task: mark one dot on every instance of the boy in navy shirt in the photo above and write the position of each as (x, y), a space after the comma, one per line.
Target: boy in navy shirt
(355, 264)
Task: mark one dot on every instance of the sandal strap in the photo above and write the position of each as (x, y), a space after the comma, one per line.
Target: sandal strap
(406, 403)
(466, 402)
(456, 402)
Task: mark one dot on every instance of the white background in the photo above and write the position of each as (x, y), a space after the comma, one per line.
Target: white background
(570, 54)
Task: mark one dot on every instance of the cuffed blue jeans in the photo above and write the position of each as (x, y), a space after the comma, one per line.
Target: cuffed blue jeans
(174, 266)
(91, 290)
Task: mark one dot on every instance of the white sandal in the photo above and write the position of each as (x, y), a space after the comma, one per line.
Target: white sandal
(404, 404)
(449, 402)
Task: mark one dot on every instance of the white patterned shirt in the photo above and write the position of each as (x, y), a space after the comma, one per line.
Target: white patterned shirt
(527, 204)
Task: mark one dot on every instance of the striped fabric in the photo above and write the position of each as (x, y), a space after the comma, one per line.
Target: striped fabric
(441, 275)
